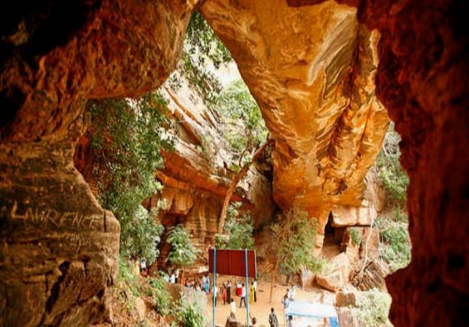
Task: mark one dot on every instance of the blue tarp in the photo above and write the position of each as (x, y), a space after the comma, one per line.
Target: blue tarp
(313, 310)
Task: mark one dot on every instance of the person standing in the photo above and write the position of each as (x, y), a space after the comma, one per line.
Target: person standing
(228, 292)
(215, 292)
(207, 290)
(233, 307)
(251, 294)
(239, 286)
(243, 296)
(176, 275)
(223, 293)
(255, 290)
(273, 321)
(285, 303)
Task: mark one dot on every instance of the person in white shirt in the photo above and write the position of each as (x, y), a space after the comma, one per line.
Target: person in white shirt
(172, 279)
(233, 307)
(215, 292)
(243, 296)
(177, 276)
(292, 294)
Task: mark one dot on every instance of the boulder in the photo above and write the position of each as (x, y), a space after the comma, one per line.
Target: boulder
(337, 274)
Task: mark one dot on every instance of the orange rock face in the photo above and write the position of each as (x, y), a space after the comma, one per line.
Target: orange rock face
(422, 80)
(58, 247)
(196, 179)
(314, 83)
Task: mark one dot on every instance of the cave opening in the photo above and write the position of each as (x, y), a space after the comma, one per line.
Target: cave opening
(50, 217)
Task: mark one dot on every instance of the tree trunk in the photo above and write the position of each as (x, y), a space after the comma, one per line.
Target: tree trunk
(274, 274)
(234, 182)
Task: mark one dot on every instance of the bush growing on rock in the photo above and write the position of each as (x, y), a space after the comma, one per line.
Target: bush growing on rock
(372, 309)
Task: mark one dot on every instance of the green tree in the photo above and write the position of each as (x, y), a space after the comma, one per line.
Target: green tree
(390, 171)
(202, 48)
(242, 124)
(126, 137)
(182, 253)
(237, 230)
(293, 241)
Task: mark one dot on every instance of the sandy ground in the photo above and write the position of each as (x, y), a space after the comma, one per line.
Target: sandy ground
(260, 309)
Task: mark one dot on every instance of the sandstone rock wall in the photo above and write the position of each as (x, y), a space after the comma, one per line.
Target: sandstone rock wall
(314, 83)
(196, 178)
(422, 80)
(58, 247)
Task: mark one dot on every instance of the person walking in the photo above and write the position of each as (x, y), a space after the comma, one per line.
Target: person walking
(243, 296)
(273, 321)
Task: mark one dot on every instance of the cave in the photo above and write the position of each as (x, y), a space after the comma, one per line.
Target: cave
(59, 248)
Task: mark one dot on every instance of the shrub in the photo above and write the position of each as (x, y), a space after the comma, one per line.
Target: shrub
(396, 246)
(160, 295)
(356, 236)
(188, 314)
(373, 308)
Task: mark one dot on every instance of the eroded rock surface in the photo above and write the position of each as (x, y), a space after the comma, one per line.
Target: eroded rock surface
(422, 80)
(314, 83)
(196, 178)
(58, 247)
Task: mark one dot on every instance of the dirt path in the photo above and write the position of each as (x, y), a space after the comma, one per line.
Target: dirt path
(261, 308)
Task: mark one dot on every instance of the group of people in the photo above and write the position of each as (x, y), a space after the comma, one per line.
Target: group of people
(201, 285)
(226, 293)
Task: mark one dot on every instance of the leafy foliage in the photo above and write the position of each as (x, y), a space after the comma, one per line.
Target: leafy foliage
(396, 249)
(238, 231)
(188, 314)
(160, 295)
(373, 308)
(202, 39)
(182, 253)
(356, 236)
(202, 48)
(126, 140)
(394, 178)
(294, 241)
(243, 126)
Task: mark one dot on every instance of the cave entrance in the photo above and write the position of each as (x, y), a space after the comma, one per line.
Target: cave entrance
(332, 239)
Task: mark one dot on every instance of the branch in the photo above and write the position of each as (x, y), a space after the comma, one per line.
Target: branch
(236, 179)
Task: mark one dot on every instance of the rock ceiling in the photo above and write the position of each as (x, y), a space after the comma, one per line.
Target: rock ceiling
(315, 86)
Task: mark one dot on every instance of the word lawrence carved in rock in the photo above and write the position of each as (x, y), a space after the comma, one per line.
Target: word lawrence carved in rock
(48, 217)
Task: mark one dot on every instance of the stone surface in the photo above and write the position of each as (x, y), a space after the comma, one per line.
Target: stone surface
(372, 277)
(338, 274)
(58, 247)
(422, 80)
(314, 84)
(196, 179)
(346, 298)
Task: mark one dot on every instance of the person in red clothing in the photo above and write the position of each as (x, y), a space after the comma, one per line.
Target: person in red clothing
(223, 293)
